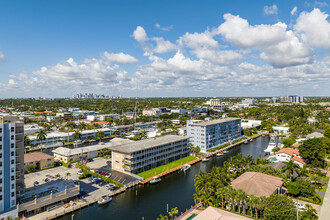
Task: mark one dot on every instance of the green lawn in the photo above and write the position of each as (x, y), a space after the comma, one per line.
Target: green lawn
(157, 170)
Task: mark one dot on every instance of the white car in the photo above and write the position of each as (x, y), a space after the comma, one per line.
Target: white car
(108, 175)
(299, 205)
(79, 172)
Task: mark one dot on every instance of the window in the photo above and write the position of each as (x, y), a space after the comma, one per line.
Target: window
(13, 186)
(12, 194)
(12, 178)
(0, 146)
(0, 180)
(0, 130)
(12, 153)
(12, 162)
(12, 129)
(0, 197)
(12, 145)
(0, 138)
(12, 137)
(0, 155)
(1, 189)
(0, 164)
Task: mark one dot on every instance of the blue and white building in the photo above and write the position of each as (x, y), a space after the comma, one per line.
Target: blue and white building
(213, 133)
(11, 164)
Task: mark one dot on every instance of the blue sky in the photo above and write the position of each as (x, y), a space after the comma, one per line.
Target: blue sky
(164, 48)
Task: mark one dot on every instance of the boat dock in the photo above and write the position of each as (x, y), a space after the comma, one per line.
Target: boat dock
(209, 154)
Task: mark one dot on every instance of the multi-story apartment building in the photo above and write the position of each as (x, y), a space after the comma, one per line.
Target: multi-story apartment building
(213, 133)
(11, 163)
(147, 154)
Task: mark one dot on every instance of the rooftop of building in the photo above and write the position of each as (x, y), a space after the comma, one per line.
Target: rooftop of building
(112, 143)
(258, 184)
(211, 213)
(36, 156)
(216, 121)
(147, 143)
(289, 151)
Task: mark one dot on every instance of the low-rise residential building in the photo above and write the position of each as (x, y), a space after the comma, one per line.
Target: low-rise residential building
(151, 112)
(84, 153)
(103, 117)
(281, 130)
(147, 154)
(315, 135)
(31, 129)
(180, 111)
(286, 154)
(250, 123)
(213, 133)
(38, 159)
(54, 137)
(215, 214)
(64, 115)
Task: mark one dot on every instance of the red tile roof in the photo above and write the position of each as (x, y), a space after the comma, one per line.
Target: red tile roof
(99, 123)
(289, 151)
(298, 159)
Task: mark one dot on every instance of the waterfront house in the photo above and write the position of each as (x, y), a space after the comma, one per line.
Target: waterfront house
(258, 184)
(286, 154)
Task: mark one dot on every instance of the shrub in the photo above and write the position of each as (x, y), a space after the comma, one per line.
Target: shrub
(293, 188)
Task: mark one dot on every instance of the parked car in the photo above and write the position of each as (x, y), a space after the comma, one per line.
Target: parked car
(36, 183)
(80, 172)
(97, 181)
(109, 162)
(108, 175)
(299, 205)
(102, 183)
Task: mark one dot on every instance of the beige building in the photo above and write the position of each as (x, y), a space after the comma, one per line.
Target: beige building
(64, 115)
(150, 153)
(151, 112)
(39, 159)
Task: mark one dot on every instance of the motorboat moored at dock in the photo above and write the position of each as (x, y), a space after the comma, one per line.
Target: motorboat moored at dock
(186, 167)
(155, 180)
(104, 200)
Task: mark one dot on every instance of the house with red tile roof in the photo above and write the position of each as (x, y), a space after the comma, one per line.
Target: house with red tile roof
(286, 154)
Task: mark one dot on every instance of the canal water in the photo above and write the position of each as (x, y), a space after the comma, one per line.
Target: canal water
(177, 189)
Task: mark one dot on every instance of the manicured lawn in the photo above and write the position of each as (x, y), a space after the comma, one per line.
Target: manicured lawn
(157, 170)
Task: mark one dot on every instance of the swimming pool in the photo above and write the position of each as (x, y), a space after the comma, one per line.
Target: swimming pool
(192, 216)
(272, 159)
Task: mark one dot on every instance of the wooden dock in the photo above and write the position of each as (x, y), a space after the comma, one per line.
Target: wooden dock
(209, 154)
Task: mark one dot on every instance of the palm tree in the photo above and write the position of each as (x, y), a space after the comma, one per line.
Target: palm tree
(263, 201)
(82, 126)
(173, 212)
(290, 167)
(221, 192)
(99, 135)
(41, 134)
(161, 217)
(76, 135)
(27, 141)
(241, 197)
(201, 180)
(251, 203)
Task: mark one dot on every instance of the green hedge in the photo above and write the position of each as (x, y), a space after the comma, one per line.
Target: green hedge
(45, 168)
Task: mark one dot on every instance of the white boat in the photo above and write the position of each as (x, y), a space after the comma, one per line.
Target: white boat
(219, 154)
(186, 167)
(251, 140)
(205, 159)
(272, 144)
(246, 142)
(155, 180)
(104, 200)
(225, 151)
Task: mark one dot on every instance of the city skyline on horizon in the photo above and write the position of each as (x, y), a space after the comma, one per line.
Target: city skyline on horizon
(164, 49)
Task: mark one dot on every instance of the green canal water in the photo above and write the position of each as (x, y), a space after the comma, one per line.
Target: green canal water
(148, 201)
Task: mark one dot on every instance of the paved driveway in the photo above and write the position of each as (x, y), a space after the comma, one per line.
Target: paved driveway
(325, 210)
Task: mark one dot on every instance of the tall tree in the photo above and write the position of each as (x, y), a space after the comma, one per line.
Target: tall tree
(41, 134)
(279, 207)
(290, 167)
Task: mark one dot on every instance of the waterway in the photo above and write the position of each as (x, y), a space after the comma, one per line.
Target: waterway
(148, 201)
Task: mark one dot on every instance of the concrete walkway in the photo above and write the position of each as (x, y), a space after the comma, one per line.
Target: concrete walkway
(325, 209)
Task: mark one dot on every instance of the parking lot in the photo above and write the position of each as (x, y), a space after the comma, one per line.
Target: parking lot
(40, 176)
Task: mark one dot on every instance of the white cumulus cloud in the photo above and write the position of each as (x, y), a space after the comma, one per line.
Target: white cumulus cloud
(270, 10)
(163, 28)
(314, 28)
(119, 58)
